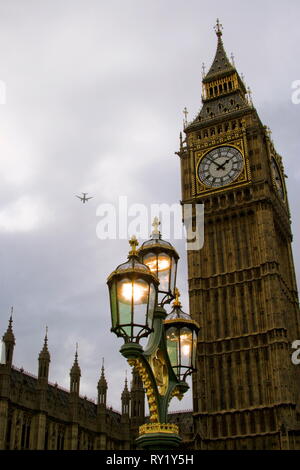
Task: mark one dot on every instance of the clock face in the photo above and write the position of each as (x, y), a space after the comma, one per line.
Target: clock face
(220, 166)
(277, 178)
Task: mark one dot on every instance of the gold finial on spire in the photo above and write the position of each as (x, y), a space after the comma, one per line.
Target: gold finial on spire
(176, 302)
(133, 243)
(218, 28)
(203, 70)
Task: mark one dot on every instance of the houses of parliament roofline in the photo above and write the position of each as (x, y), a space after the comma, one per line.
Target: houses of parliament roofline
(36, 414)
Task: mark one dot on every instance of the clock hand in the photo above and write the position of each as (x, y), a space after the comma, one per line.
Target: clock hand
(221, 166)
(208, 158)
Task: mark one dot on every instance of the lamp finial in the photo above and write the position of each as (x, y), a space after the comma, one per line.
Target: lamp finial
(155, 225)
(177, 302)
(133, 243)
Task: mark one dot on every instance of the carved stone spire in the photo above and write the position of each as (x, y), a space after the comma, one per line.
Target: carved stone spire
(75, 374)
(9, 336)
(9, 341)
(44, 354)
(223, 90)
(221, 63)
(44, 359)
(125, 398)
(102, 387)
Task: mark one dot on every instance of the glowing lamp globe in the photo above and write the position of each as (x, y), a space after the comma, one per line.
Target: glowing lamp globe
(161, 257)
(133, 294)
(181, 337)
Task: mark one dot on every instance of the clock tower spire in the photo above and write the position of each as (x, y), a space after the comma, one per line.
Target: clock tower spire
(222, 87)
(242, 284)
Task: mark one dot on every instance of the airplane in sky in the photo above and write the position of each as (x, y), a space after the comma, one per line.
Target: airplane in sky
(83, 198)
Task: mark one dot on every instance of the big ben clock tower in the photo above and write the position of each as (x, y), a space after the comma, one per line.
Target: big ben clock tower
(242, 284)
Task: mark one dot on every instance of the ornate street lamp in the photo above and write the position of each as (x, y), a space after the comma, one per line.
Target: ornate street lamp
(168, 357)
(181, 335)
(133, 293)
(161, 257)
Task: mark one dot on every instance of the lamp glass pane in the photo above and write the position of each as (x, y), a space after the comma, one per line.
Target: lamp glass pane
(163, 271)
(186, 344)
(173, 346)
(113, 305)
(151, 261)
(125, 295)
(140, 293)
(152, 304)
(173, 274)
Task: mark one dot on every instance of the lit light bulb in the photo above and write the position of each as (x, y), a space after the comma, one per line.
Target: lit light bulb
(134, 290)
(163, 264)
(158, 265)
(151, 264)
(186, 349)
(172, 337)
(186, 344)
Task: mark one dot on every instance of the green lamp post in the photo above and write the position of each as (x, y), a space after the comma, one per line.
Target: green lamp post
(138, 291)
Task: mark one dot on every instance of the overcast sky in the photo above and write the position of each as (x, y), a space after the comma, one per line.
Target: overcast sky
(94, 98)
